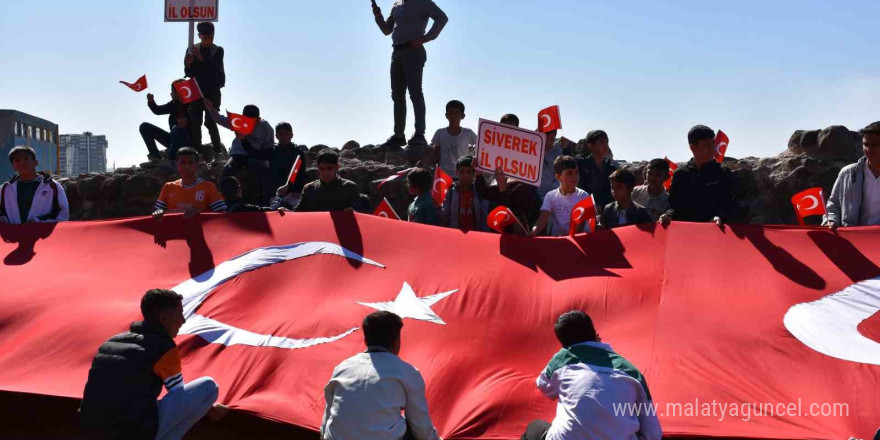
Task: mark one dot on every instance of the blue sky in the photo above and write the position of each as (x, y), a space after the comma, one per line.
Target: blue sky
(644, 71)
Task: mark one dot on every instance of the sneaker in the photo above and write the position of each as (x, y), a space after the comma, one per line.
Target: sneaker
(417, 139)
(398, 140)
(154, 159)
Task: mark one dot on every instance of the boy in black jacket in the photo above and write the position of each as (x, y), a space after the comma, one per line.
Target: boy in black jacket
(204, 62)
(178, 135)
(701, 191)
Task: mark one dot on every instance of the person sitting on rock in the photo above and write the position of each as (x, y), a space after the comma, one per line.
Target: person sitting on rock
(452, 142)
(623, 211)
(330, 192)
(283, 157)
(190, 194)
(701, 190)
(31, 197)
(653, 195)
(422, 209)
(590, 382)
(375, 395)
(855, 197)
(127, 375)
(462, 208)
(178, 136)
(231, 191)
(250, 155)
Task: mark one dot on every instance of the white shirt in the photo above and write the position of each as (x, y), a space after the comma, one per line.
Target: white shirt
(453, 147)
(870, 199)
(560, 209)
(365, 397)
(589, 380)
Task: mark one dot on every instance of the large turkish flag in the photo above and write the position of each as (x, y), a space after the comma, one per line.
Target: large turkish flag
(743, 317)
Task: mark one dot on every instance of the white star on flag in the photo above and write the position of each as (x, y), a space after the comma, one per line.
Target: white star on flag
(408, 305)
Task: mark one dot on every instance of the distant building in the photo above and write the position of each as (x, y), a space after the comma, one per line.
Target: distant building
(83, 153)
(22, 129)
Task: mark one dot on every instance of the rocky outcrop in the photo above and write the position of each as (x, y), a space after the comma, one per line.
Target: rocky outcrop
(763, 186)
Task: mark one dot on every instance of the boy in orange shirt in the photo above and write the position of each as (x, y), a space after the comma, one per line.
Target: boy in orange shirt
(190, 195)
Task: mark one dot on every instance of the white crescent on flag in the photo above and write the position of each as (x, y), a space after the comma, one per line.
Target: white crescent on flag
(547, 121)
(442, 183)
(830, 325)
(579, 213)
(236, 123)
(501, 217)
(188, 91)
(815, 202)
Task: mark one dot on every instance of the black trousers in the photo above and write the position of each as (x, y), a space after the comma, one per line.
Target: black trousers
(201, 115)
(537, 430)
(407, 67)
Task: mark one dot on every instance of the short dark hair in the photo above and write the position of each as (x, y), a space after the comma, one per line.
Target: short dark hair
(156, 301)
(382, 329)
(22, 149)
(189, 151)
(595, 136)
(659, 165)
(251, 111)
(563, 163)
(205, 28)
(284, 126)
(625, 177)
(575, 327)
(229, 187)
(464, 161)
(455, 104)
(327, 156)
(510, 119)
(872, 128)
(700, 132)
(420, 177)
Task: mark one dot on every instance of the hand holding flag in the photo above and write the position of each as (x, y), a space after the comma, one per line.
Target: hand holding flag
(583, 212)
(138, 86)
(549, 120)
(808, 202)
(502, 217)
(241, 124)
(442, 182)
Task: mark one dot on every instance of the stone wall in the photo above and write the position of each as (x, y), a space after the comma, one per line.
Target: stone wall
(763, 186)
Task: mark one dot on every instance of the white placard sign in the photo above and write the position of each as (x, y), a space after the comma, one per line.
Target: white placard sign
(191, 10)
(518, 152)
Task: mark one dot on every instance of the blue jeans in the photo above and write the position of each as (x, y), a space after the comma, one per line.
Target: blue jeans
(407, 66)
(179, 137)
(180, 409)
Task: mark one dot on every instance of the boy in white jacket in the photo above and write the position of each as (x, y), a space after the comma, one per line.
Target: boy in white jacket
(30, 197)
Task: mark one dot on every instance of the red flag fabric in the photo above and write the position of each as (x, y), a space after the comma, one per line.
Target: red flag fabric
(188, 90)
(672, 167)
(385, 210)
(500, 218)
(808, 202)
(138, 86)
(442, 182)
(549, 120)
(394, 176)
(242, 124)
(724, 354)
(721, 142)
(294, 170)
(583, 211)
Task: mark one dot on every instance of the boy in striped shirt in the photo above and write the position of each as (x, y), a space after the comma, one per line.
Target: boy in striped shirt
(190, 195)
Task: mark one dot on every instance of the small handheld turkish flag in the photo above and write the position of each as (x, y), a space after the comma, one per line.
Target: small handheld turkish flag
(672, 167)
(442, 182)
(241, 123)
(500, 218)
(549, 120)
(721, 142)
(583, 211)
(188, 90)
(385, 210)
(138, 86)
(294, 170)
(807, 203)
(394, 176)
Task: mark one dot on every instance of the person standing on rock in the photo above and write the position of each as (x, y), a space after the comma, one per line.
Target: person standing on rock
(855, 197)
(204, 62)
(407, 24)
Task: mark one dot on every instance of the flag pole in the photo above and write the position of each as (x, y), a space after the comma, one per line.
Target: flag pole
(192, 27)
